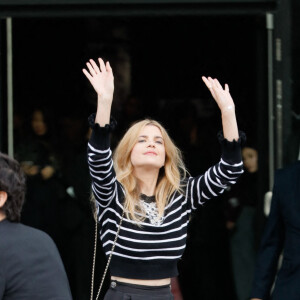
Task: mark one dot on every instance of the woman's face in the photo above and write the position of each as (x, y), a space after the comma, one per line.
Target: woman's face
(250, 159)
(37, 122)
(149, 151)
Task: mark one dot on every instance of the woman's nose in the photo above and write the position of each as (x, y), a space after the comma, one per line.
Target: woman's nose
(151, 144)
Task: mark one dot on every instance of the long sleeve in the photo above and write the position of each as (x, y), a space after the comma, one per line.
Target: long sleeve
(216, 179)
(270, 249)
(101, 165)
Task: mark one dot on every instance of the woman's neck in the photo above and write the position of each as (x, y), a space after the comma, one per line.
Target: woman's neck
(147, 180)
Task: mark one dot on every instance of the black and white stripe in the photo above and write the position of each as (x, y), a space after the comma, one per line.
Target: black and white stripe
(150, 242)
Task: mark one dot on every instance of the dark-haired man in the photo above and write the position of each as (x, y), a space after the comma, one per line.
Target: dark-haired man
(30, 265)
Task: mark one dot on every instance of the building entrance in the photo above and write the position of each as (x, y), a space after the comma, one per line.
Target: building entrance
(158, 63)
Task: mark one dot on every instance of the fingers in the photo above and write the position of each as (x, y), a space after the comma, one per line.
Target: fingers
(87, 74)
(227, 87)
(92, 71)
(214, 84)
(102, 65)
(108, 67)
(217, 83)
(210, 84)
(207, 82)
(96, 69)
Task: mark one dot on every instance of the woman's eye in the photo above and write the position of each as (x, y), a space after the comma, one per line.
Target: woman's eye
(141, 141)
(159, 142)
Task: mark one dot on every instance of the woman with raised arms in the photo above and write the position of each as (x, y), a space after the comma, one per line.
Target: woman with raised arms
(143, 195)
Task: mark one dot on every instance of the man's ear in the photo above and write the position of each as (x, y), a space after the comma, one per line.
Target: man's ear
(3, 198)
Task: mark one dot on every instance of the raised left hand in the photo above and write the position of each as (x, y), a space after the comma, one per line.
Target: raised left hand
(221, 96)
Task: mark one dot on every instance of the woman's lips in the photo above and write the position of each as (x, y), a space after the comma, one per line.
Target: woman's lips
(150, 153)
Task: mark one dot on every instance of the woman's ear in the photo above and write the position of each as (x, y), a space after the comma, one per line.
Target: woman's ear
(3, 198)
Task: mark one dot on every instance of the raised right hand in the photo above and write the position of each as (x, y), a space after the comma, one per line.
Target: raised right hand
(101, 78)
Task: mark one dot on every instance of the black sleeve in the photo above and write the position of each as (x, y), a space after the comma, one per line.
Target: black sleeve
(104, 184)
(218, 177)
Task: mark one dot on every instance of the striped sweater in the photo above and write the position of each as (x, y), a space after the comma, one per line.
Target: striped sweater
(152, 250)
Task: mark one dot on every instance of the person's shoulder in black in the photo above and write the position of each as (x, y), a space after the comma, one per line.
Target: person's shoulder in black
(31, 267)
(289, 172)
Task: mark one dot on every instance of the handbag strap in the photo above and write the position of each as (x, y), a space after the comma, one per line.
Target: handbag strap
(109, 259)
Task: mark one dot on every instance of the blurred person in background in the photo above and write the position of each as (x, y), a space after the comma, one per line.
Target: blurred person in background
(39, 160)
(241, 211)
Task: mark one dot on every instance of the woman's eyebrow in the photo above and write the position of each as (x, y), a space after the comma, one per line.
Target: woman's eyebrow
(146, 136)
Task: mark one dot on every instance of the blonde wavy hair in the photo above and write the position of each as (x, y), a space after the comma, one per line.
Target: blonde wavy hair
(170, 175)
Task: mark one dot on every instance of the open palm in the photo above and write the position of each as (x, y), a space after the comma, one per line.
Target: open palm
(101, 78)
(221, 96)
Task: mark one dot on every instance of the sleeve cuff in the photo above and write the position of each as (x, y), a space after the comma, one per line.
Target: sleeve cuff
(100, 137)
(231, 151)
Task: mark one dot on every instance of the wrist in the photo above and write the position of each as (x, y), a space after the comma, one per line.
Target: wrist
(228, 110)
(105, 98)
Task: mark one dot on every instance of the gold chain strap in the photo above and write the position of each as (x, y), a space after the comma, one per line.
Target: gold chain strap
(109, 259)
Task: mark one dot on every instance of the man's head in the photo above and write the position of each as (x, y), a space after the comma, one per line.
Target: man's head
(12, 188)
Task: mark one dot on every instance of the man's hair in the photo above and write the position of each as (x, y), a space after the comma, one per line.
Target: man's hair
(12, 181)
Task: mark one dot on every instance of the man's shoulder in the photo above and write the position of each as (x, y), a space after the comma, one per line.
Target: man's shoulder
(31, 263)
(288, 176)
(22, 244)
(12, 232)
(289, 169)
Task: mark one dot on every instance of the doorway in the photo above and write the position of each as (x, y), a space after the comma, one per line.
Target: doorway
(158, 63)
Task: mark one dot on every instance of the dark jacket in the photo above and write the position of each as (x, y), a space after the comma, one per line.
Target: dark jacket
(282, 232)
(30, 265)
